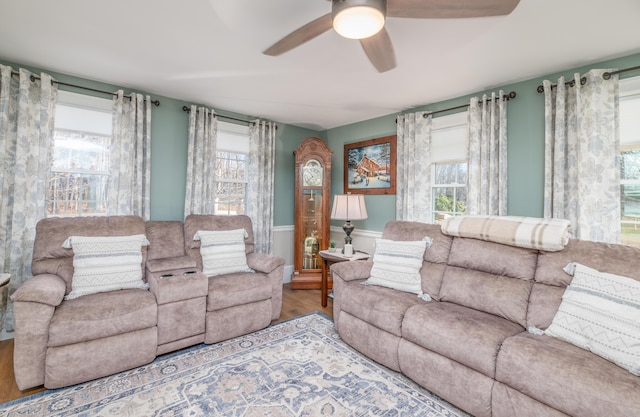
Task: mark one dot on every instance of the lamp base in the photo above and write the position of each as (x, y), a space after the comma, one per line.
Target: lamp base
(348, 248)
(348, 228)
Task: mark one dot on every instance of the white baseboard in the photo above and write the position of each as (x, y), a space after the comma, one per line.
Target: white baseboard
(288, 271)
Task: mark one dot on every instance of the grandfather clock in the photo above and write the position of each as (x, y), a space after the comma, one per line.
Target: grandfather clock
(312, 211)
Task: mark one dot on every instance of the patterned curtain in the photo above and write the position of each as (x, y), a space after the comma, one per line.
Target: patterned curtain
(130, 154)
(200, 197)
(487, 182)
(582, 166)
(262, 151)
(413, 167)
(27, 110)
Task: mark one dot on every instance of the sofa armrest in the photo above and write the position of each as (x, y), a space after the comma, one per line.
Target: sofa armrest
(264, 263)
(273, 267)
(352, 270)
(35, 302)
(44, 289)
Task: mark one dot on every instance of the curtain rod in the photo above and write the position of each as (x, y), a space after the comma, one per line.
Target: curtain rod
(426, 114)
(35, 77)
(188, 110)
(583, 80)
(607, 75)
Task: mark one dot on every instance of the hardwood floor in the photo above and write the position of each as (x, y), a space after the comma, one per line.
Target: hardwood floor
(294, 303)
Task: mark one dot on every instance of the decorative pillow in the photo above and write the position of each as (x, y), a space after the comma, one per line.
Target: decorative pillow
(222, 251)
(600, 312)
(396, 264)
(105, 263)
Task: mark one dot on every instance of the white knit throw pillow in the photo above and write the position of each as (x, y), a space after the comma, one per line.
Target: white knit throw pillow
(106, 263)
(600, 312)
(396, 264)
(222, 251)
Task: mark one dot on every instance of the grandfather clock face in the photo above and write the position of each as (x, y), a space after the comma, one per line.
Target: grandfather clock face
(312, 174)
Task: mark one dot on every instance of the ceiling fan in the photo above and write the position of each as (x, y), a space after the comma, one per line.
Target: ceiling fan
(364, 20)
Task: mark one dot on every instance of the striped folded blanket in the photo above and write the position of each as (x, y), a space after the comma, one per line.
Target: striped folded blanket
(526, 232)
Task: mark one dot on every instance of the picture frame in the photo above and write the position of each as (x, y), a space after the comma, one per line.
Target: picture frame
(370, 166)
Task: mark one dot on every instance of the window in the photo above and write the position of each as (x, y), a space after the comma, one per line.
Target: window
(449, 190)
(80, 169)
(449, 166)
(232, 155)
(630, 161)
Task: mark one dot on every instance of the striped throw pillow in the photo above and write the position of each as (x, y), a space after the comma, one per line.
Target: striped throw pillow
(105, 263)
(600, 312)
(396, 264)
(222, 251)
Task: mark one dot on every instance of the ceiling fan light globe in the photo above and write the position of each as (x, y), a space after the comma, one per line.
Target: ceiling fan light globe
(358, 22)
(358, 19)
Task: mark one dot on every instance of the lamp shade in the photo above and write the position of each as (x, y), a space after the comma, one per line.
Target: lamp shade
(349, 207)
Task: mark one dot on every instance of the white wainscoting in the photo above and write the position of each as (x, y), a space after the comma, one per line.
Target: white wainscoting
(363, 240)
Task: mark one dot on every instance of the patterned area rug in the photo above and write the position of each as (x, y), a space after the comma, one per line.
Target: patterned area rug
(295, 368)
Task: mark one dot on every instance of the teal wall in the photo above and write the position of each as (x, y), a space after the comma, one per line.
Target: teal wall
(169, 136)
(525, 129)
(525, 135)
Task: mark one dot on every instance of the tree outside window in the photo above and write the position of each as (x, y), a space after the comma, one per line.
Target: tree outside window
(449, 190)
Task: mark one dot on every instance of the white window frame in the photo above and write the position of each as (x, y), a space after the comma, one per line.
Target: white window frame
(443, 152)
(79, 115)
(232, 139)
(629, 90)
(437, 215)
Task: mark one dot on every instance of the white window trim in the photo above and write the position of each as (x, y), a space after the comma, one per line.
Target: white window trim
(628, 88)
(233, 138)
(70, 101)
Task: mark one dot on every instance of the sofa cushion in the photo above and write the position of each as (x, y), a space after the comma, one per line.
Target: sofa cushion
(396, 264)
(566, 377)
(49, 257)
(490, 277)
(106, 263)
(435, 258)
(600, 312)
(551, 278)
(222, 251)
(101, 315)
(195, 222)
(166, 239)
(467, 336)
(592, 254)
(237, 289)
(381, 307)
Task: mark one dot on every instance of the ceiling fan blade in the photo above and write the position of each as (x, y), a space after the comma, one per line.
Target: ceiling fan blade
(380, 51)
(441, 9)
(301, 35)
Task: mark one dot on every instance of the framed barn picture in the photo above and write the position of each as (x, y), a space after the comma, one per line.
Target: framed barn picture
(370, 166)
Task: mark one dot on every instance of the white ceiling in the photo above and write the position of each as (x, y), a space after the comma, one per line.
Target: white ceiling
(209, 52)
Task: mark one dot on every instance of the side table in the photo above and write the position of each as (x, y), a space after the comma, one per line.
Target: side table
(329, 258)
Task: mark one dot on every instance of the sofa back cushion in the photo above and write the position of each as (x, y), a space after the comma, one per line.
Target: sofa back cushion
(166, 239)
(435, 257)
(551, 280)
(49, 257)
(490, 277)
(195, 222)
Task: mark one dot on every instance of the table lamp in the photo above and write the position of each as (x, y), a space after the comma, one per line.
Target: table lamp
(348, 207)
